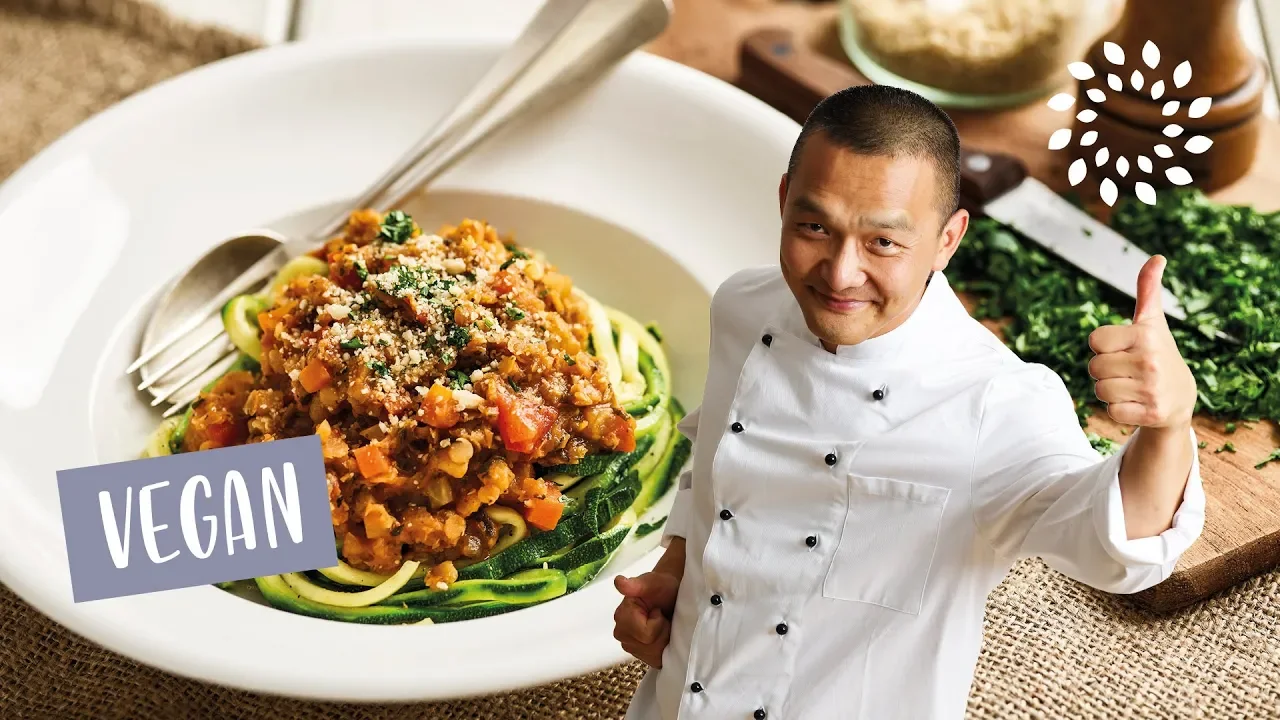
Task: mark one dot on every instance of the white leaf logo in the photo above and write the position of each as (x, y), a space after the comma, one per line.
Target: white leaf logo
(1114, 54)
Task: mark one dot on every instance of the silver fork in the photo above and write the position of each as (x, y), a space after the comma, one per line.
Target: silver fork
(567, 46)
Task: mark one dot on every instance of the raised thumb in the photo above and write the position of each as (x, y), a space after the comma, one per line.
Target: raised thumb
(630, 587)
(1150, 305)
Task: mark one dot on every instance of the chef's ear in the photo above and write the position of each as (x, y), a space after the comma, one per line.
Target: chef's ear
(949, 240)
(782, 194)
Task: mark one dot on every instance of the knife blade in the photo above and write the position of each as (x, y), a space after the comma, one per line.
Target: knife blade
(793, 79)
(1005, 192)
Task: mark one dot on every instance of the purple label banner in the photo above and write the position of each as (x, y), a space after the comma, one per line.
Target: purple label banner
(196, 518)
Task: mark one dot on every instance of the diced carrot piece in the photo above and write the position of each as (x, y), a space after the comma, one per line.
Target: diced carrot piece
(269, 319)
(543, 514)
(314, 376)
(439, 409)
(371, 461)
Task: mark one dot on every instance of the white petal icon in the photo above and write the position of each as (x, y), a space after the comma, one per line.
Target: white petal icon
(1080, 70)
(1182, 74)
(1198, 144)
(1076, 172)
(1156, 88)
(1151, 55)
(1061, 101)
(1108, 191)
(1145, 193)
(1199, 107)
(1113, 53)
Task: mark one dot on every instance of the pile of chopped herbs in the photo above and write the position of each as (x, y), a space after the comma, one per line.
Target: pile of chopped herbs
(1223, 265)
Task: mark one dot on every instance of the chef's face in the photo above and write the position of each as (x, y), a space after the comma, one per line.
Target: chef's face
(860, 235)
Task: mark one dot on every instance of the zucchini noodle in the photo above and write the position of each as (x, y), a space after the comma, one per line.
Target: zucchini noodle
(605, 498)
(347, 575)
(310, 591)
(510, 518)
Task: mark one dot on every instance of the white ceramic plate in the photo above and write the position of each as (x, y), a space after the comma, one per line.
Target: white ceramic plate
(650, 190)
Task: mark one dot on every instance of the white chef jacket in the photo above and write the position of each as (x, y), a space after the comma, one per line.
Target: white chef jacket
(847, 514)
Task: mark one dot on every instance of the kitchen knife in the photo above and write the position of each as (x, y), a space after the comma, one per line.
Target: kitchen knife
(793, 79)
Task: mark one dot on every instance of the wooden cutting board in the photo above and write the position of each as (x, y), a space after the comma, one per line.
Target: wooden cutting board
(786, 53)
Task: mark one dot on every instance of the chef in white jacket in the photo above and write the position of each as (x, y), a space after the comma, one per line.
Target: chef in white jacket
(869, 461)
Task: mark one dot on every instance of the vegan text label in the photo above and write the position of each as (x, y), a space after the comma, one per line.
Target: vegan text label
(196, 518)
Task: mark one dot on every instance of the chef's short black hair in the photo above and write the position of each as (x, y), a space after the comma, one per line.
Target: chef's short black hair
(882, 120)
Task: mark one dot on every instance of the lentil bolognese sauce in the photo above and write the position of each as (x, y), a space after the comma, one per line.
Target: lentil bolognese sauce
(490, 432)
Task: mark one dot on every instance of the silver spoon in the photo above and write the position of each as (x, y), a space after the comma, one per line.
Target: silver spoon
(566, 47)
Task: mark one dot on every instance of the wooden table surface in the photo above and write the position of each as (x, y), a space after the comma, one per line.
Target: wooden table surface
(1242, 528)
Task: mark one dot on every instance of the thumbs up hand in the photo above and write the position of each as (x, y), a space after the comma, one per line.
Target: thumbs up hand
(1138, 370)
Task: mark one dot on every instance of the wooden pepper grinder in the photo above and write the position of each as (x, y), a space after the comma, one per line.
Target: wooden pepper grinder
(1131, 124)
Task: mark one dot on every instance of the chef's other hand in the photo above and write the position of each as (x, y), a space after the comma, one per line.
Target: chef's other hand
(1140, 374)
(642, 621)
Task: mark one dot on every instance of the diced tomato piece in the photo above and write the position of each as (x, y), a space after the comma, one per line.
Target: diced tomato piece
(314, 376)
(439, 409)
(372, 461)
(522, 422)
(502, 282)
(543, 514)
(625, 432)
(224, 434)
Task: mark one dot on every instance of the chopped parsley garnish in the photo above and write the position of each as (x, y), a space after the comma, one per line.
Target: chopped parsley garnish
(362, 272)
(1230, 428)
(380, 368)
(1226, 447)
(459, 336)
(569, 360)
(517, 252)
(513, 384)
(1202, 444)
(1273, 457)
(1104, 446)
(507, 263)
(514, 312)
(457, 379)
(396, 228)
(354, 343)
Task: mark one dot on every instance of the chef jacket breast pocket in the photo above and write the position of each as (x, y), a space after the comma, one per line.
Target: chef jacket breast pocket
(888, 543)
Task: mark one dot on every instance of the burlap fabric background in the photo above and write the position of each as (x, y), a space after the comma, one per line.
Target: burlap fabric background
(1054, 649)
